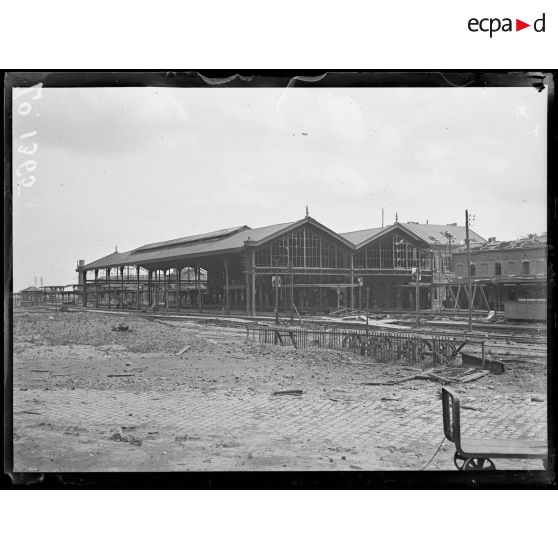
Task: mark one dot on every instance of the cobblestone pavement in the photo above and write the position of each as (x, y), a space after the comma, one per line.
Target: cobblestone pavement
(87, 398)
(186, 430)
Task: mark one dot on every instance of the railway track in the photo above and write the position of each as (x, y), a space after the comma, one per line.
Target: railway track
(524, 341)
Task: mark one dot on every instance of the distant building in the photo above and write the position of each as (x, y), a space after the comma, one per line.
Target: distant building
(31, 296)
(51, 294)
(513, 274)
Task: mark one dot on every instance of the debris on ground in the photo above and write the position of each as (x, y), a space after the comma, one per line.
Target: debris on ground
(119, 375)
(121, 327)
(117, 437)
(537, 399)
(491, 364)
(288, 392)
(470, 408)
(183, 350)
(444, 376)
(185, 438)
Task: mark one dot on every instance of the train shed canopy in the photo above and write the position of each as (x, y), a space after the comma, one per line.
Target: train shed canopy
(217, 243)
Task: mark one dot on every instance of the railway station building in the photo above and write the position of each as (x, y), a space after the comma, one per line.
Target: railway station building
(302, 264)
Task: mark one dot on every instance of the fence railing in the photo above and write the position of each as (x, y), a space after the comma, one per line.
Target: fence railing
(378, 345)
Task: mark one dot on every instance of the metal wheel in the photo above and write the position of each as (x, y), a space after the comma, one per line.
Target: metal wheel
(406, 350)
(446, 351)
(459, 460)
(478, 464)
(424, 351)
(350, 341)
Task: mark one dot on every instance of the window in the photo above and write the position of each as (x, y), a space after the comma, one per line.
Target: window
(497, 268)
(473, 270)
(525, 267)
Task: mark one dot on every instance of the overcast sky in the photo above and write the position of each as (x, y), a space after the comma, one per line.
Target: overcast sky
(132, 166)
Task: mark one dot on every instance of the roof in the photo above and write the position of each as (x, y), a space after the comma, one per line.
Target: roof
(217, 242)
(31, 290)
(530, 241)
(222, 233)
(356, 237)
(434, 235)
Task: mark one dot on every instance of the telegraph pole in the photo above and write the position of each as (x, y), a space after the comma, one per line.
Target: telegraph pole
(469, 270)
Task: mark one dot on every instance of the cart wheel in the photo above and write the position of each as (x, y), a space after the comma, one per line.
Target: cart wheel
(446, 351)
(478, 464)
(459, 460)
(424, 351)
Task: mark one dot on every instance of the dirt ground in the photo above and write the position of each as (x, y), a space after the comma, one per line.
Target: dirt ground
(88, 398)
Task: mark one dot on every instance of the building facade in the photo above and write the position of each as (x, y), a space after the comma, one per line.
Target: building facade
(513, 274)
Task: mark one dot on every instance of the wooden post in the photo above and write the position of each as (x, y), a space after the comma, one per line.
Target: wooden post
(96, 289)
(121, 286)
(227, 305)
(84, 282)
(367, 307)
(352, 286)
(178, 287)
(165, 293)
(199, 289)
(253, 278)
(417, 289)
(108, 286)
(138, 285)
(247, 280)
(157, 289)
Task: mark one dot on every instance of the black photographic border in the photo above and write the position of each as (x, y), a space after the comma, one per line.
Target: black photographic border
(288, 479)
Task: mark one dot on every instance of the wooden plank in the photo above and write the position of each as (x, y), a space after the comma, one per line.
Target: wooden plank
(472, 377)
(518, 449)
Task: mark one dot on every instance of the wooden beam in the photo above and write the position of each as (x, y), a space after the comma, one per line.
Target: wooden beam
(483, 294)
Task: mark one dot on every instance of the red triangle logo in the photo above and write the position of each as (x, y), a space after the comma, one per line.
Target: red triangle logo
(519, 25)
